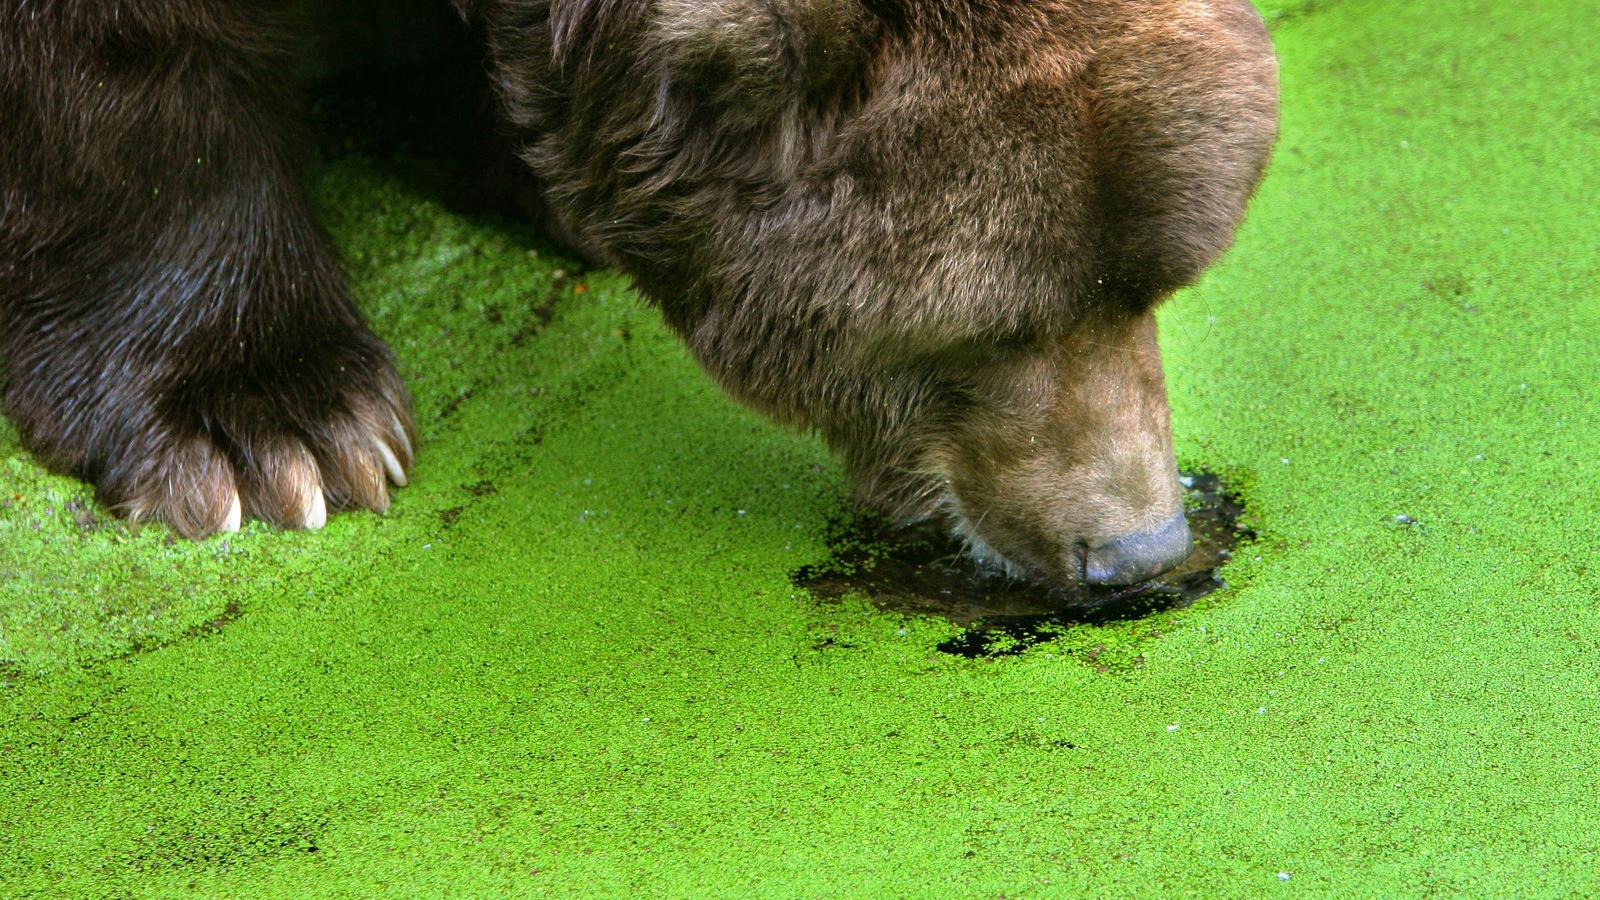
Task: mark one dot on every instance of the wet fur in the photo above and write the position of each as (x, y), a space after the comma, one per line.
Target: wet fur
(855, 212)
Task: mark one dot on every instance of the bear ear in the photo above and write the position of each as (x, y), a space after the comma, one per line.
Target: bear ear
(760, 57)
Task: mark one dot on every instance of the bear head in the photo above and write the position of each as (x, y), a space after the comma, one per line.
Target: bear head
(934, 231)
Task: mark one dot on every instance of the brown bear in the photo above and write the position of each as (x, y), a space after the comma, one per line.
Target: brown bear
(931, 230)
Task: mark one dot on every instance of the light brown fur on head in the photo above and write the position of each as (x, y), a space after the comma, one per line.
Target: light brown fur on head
(1060, 450)
(933, 230)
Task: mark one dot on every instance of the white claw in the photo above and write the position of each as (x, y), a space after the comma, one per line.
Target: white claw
(235, 516)
(399, 430)
(317, 514)
(391, 463)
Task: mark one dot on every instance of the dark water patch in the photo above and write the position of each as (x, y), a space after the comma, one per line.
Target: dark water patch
(81, 509)
(12, 671)
(545, 310)
(454, 403)
(230, 611)
(922, 570)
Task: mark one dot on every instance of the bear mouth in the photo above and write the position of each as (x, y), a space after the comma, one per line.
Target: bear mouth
(990, 561)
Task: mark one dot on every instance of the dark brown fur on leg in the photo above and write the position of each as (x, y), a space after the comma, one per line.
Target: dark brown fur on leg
(174, 325)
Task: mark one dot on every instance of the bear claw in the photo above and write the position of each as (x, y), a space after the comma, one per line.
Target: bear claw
(316, 514)
(235, 517)
(391, 463)
(288, 476)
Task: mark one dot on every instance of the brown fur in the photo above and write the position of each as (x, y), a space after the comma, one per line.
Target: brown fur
(889, 219)
(927, 229)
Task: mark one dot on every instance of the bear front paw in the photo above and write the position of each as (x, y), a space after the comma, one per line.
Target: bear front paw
(288, 467)
(269, 470)
(327, 437)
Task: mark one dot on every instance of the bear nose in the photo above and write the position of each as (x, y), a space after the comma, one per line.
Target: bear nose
(1138, 557)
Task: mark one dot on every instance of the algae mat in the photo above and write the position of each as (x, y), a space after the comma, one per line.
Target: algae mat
(571, 659)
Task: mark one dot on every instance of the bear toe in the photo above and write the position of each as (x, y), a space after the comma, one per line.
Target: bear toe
(281, 483)
(289, 476)
(190, 487)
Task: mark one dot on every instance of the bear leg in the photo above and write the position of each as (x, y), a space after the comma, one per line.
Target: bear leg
(174, 326)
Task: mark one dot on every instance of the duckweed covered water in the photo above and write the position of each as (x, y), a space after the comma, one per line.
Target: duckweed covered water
(565, 663)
